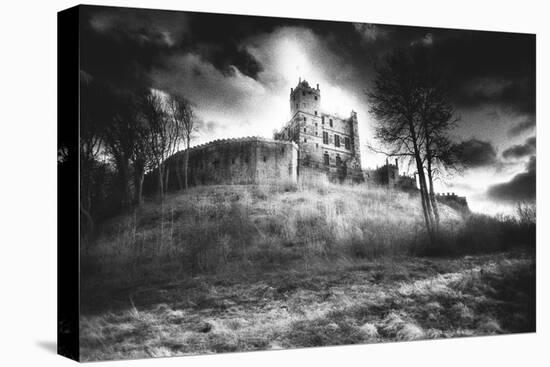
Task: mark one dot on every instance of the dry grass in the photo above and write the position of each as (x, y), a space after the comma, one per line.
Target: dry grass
(211, 229)
(365, 303)
(234, 268)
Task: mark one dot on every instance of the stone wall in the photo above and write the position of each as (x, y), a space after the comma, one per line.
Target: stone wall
(250, 160)
(454, 201)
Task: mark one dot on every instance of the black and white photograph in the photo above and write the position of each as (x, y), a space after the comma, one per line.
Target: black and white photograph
(255, 183)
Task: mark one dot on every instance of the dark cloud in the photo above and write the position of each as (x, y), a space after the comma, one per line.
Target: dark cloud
(521, 150)
(119, 47)
(481, 67)
(527, 124)
(476, 153)
(490, 68)
(522, 187)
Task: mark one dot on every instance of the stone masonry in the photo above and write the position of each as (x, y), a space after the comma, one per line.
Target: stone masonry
(327, 143)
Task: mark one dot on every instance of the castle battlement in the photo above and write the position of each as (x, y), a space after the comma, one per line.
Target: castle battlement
(245, 139)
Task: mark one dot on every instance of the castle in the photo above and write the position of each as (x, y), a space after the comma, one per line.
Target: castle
(312, 143)
(388, 175)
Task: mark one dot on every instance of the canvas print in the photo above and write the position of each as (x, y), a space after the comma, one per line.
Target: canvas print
(252, 183)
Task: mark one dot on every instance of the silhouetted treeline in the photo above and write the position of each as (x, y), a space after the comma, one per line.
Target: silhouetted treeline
(124, 135)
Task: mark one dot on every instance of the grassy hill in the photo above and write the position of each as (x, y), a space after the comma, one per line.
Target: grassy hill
(233, 268)
(215, 228)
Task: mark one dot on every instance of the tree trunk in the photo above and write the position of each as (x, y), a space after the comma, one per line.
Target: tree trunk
(428, 201)
(140, 189)
(424, 197)
(166, 178)
(422, 180)
(186, 164)
(429, 159)
(139, 176)
(123, 180)
(160, 173)
(432, 196)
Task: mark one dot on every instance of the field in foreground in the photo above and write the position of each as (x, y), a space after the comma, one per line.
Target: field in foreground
(376, 301)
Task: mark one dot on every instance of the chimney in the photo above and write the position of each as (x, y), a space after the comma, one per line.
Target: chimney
(317, 86)
(291, 90)
(299, 79)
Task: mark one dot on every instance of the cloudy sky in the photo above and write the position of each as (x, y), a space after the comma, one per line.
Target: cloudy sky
(238, 72)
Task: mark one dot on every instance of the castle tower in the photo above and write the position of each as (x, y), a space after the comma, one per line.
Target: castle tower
(305, 99)
(327, 143)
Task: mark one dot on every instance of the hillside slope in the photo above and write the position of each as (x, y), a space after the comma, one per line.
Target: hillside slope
(212, 228)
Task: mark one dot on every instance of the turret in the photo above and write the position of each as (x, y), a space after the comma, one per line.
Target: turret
(304, 98)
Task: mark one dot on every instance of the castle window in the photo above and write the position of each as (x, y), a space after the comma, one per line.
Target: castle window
(326, 159)
(325, 137)
(303, 105)
(323, 120)
(303, 93)
(347, 142)
(296, 105)
(305, 118)
(338, 160)
(316, 133)
(315, 113)
(282, 150)
(330, 122)
(317, 145)
(265, 158)
(304, 129)
(315, 97)
(315, 124)
(232, 160)
(336, 140)
(305, 140)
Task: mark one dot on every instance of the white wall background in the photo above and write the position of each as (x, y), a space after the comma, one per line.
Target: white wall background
(28, 181)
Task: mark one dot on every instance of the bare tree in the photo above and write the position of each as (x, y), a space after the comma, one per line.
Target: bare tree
(437, 119)
(184, 121)
(142, 157)
(163, 135)
(121, 136)
(395, 101)
(92, 131)
(415, 116)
